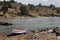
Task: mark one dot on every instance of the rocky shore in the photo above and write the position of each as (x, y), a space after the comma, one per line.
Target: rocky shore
(48, 34)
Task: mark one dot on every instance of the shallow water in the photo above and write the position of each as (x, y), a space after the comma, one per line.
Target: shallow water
(30, 23)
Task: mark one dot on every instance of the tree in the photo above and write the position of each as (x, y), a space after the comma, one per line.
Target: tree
(12, 1)
(31, 6)
(1, 3)
(4, 9)
(4, 0)
(39, 4)
(51, 5)
(9, 5)
(23, 10)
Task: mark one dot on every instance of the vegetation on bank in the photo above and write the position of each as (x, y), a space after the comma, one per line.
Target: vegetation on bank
(12, 9)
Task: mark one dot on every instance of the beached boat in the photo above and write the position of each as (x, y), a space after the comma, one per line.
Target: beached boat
(19, 31)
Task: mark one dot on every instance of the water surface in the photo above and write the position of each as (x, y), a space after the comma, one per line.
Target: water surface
(31, 23)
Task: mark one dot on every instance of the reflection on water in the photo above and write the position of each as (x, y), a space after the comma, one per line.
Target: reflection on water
(31, 23)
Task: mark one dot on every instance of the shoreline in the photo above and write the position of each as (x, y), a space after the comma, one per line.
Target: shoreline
(28, 17)
(30, 36)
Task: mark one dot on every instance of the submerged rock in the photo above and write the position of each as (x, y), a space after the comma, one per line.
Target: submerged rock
(5, 23)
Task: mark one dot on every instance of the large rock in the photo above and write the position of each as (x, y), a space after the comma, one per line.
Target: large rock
(5, 23)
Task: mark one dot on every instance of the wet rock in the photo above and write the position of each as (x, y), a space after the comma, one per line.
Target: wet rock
(5, 23)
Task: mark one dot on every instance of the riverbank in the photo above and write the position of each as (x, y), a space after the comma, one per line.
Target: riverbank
(12, 9)
(35, 35)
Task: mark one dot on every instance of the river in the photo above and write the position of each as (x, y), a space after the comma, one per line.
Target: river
(30, 23)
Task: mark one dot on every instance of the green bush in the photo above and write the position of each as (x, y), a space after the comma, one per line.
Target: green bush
(31, 6)
(23, 10)
(51, 5)
(4, 9)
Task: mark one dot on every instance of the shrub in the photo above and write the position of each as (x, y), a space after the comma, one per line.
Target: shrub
(31, 6)
(51, 5)
(4, 9)
(23, 10)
